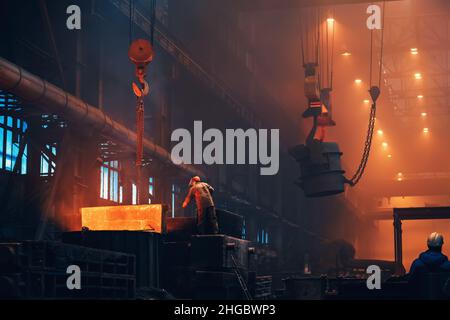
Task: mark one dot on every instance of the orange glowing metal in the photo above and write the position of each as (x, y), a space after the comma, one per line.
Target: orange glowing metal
(148, 217)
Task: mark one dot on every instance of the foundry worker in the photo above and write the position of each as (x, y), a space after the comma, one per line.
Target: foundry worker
(430, 261)
(206, 213)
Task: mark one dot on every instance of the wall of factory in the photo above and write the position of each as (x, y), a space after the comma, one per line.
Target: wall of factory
(96, 69)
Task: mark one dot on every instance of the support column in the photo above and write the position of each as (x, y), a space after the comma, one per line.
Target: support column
(90, 171)
(33, 186)
(398, 246)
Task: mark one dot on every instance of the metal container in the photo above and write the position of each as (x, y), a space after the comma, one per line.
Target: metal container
(321, 171)
(210, 285)
(180, 228)
(216, 252)
(305, 288)
(230, 223)
(179, 281)
(144, 245)
(38, 270)
(177, 253)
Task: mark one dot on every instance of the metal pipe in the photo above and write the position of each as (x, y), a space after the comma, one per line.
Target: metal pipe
(35, 90)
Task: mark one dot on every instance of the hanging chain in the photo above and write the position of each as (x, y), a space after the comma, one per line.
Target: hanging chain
(374, 93)
(139, 130)
(367, 145)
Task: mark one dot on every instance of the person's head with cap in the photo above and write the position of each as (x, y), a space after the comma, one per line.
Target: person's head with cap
(435, 241)
(194, 180)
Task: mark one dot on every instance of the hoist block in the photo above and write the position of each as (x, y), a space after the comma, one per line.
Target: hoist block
(320, 165)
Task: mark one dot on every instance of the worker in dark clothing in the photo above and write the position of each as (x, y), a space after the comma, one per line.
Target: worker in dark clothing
(206, 212)
(430, 261)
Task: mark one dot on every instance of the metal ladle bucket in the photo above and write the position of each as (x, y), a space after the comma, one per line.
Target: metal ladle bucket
(321, 172)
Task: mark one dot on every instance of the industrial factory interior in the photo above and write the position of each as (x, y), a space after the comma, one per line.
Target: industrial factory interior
(193, 150)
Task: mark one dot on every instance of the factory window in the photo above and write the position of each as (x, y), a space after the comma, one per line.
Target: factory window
(244, 230)
(11, 134)
(134, 194)
(109, 181)
(47, 160)
(262, 236)
(151, 189)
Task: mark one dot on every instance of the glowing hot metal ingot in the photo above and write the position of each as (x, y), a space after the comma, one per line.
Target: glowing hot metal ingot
(147, 217)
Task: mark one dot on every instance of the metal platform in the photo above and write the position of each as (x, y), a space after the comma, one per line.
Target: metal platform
(38, 270)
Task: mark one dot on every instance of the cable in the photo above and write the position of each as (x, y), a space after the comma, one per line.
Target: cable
(318, 35)
(327, 50)
(332, 52)
(371, 58)
(382, 47)
(152, 21)
(301, 40)
(131, 13)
